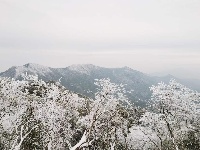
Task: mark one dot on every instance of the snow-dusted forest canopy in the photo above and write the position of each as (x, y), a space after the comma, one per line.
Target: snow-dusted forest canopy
(38, 115)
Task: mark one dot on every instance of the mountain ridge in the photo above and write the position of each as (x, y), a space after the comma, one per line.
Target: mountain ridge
(80, 78)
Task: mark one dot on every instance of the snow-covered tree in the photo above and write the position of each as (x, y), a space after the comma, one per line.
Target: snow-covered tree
(44, 115)
(175, 112)
(14, 107)
(37, 113)
(107, 121)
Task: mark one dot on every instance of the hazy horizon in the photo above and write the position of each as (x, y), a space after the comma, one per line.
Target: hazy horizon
(151, 36)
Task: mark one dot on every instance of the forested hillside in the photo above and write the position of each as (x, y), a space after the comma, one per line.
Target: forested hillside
(45, 115)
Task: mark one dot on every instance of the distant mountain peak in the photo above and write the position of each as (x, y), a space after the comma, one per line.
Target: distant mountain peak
(127, 68)
(30, 68)
(83, 68)
(33, 65)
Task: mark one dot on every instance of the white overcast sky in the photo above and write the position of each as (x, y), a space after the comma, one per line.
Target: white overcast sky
(146, 35)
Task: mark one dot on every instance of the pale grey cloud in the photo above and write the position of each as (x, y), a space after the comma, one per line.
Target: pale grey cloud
(147, 35)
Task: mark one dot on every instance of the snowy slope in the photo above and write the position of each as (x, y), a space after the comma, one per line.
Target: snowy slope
(83, 69)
